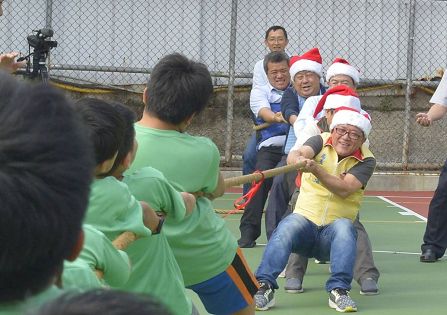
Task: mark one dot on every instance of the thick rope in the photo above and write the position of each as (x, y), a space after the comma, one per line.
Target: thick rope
(257, 176)
(261, 126)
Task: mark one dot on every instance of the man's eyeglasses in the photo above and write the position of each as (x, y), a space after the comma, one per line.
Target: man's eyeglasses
(351, 134)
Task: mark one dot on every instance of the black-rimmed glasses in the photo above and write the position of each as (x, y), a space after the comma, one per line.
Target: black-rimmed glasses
(351, 134)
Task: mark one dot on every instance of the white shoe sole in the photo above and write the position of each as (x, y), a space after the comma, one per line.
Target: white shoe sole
(346, 310)
(269, 305)
(369, 293)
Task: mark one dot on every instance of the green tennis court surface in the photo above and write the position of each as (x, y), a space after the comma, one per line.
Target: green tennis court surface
(406, 285)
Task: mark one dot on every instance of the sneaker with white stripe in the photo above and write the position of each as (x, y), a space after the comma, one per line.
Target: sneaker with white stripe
(264, 298)
(341, 301)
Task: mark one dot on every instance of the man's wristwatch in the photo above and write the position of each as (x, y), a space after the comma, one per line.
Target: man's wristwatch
(159, 226)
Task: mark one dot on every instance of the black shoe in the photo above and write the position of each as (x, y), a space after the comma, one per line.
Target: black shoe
(428, 256)
(246, 244)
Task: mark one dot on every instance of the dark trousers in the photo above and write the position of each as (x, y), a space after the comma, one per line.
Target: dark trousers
(435, 237)
(250, 226)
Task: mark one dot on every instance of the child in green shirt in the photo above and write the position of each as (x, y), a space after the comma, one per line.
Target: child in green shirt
(113, 210)
(155, 269)
(46, 166)
(206, 251)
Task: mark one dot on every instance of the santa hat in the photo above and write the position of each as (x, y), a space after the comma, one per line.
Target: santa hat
(309, 61)
(342, 66)
(336, 97)
(349, 116)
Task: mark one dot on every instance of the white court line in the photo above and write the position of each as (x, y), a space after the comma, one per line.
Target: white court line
(406, 197)
(376, 251)
(394, 252)
(411, 212)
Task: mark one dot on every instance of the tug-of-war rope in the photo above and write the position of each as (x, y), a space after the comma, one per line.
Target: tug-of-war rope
(257, 178)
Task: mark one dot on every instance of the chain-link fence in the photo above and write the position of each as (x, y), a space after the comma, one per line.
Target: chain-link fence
(398, 45)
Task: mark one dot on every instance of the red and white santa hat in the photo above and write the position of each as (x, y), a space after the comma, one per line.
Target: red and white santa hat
(336, 97)
(342, 66)
(309, 61)
(350, 116)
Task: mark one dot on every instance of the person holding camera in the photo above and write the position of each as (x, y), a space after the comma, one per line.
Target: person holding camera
(8, 61)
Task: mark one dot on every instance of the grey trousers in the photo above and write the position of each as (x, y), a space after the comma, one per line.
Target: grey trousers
(364, 263)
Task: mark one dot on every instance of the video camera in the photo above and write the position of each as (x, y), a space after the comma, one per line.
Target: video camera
(40, 40)
(41, 48)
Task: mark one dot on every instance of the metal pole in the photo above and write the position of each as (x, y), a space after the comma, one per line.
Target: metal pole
(49, 14)
(231, 70)
(409, 76)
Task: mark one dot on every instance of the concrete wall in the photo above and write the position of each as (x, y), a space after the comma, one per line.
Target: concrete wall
(385, 104)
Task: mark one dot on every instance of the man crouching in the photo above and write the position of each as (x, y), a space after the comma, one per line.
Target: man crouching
(337, 169)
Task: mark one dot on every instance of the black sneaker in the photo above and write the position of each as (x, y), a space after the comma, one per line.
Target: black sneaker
(264, 298)
(341, 301)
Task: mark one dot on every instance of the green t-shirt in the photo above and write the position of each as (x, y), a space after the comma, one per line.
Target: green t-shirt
(202, 244)
(113, 210)
(98, 253)
(18, 308)
(154, 268)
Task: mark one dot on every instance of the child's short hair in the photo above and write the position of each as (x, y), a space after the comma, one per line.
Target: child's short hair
(100, 301)
(128, 116)
(46, 165)
(178, 88)
(104, 124)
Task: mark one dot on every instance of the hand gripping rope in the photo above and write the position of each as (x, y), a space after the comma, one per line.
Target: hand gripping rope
(257, 178)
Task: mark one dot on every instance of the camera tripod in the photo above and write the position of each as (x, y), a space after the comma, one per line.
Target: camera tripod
(42, 47)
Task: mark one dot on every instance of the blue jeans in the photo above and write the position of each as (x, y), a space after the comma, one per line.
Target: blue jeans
(249, 159)
(335, 242)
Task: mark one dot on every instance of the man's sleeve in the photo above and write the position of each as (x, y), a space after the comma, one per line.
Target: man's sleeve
(440, 95)
(363, 170)
(259, 99)
(289, 104)
(315, 142)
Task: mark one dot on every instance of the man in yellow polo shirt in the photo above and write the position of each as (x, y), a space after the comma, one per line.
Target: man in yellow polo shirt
(337, 168)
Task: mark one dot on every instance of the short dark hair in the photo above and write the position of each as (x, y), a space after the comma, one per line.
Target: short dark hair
(104, 124)
(275, 28)
(178, 88)
(129, 117)
(275, 57)
(46, 165)
(101, 301)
